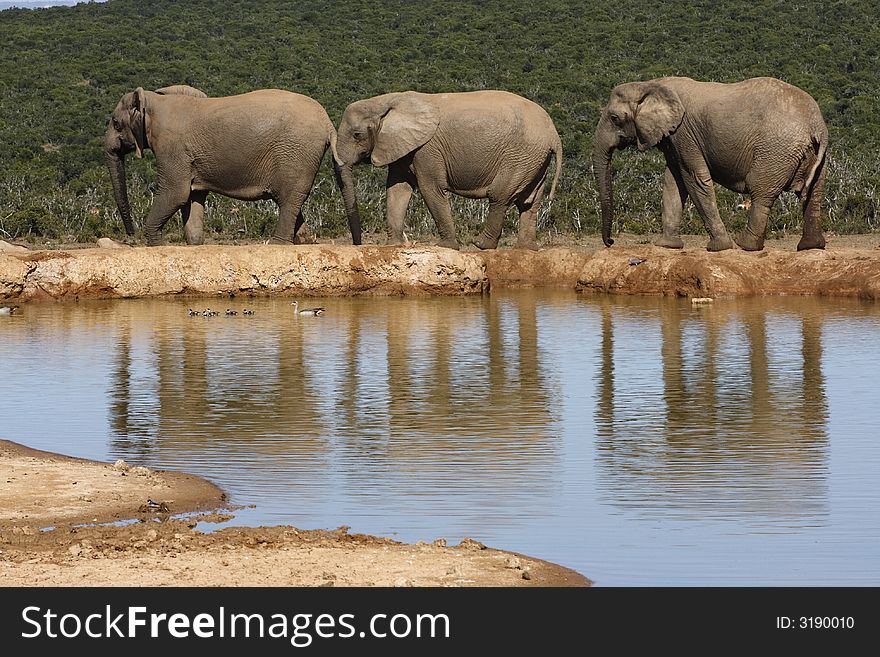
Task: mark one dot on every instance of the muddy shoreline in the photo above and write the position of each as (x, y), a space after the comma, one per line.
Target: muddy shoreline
(849, 266)
(72, 496)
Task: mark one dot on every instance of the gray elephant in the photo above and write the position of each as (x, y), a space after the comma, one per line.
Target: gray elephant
(479, 144)
(759, 137)
(258, 145)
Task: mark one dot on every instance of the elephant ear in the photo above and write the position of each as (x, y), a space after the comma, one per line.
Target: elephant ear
(411, 120)
(658, 114)
(137, 117)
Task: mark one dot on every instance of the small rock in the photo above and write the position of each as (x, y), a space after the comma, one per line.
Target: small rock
(513, 562)
(11, 248)
(152, 535)
(454, 570)
(471, 544)
(326, 583)
(527, 574)
(107, 243)
(403, 582)
(121, 466)
(140, 471)
(74, 550)
(440, 542)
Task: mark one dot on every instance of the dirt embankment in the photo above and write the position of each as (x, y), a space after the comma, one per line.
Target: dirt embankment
(848, 267)
(42, 489)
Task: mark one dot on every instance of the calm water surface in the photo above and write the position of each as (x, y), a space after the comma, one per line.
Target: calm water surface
(639, 441)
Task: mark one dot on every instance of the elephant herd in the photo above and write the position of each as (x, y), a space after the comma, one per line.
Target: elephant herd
(759, 137)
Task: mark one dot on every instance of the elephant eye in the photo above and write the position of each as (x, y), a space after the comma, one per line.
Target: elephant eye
(357, 134)
(615, 119)
(116, 124)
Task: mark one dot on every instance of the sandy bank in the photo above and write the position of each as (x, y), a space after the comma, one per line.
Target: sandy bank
(848, 267)
(42, 489)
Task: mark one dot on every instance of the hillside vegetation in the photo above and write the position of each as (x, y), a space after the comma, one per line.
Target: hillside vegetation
(62, 70)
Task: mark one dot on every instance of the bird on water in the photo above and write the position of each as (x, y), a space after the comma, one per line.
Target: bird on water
(312, 312)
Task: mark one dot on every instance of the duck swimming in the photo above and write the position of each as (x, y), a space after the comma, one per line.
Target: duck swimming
(313, 312)
(8, 310)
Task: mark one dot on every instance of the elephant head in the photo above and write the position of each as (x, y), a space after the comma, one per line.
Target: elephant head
(127, 132)
(385, 128)
(640, 113)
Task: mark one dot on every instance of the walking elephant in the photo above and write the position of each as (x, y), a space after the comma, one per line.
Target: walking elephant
(759, 137)
(258, 145)
(479, 144)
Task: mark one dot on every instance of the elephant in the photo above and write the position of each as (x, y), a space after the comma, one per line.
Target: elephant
(263, 144)
(477, 144)
(759, 137)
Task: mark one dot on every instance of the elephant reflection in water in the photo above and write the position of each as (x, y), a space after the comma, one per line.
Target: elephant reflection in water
(737, 426)
(450, 381)
(211, 388)
(388, 388)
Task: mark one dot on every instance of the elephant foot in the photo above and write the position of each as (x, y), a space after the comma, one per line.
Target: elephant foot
(720, 243)
(449, 244)
(483, 243)
(304, 236)
(279, 240)
(749, 242)
(530, 244)
(670, 242)
(811, 243)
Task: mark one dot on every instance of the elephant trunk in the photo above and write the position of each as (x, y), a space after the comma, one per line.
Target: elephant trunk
(603, 147)
(345, 180)
(116, 166)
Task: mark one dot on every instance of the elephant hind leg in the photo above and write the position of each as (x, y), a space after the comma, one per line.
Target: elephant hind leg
(752, 236)
(193, 214)
(527, 237)
(290, 219)
(488, 239)
(813, 237)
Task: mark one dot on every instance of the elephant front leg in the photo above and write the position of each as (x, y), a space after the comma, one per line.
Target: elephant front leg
(674, 196)
(438, 206)
(398, 191)
(167, 202)
(193, 214)
(702, 190)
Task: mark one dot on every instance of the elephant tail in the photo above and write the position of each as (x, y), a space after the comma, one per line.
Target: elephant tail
(332, 136)
(816, 171)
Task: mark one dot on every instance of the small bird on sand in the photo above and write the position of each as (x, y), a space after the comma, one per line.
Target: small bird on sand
(313, 312)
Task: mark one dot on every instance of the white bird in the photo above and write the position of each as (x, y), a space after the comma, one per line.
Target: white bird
(8, 310)
(313, 312)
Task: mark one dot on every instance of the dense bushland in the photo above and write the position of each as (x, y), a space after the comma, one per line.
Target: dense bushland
(62, 70)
